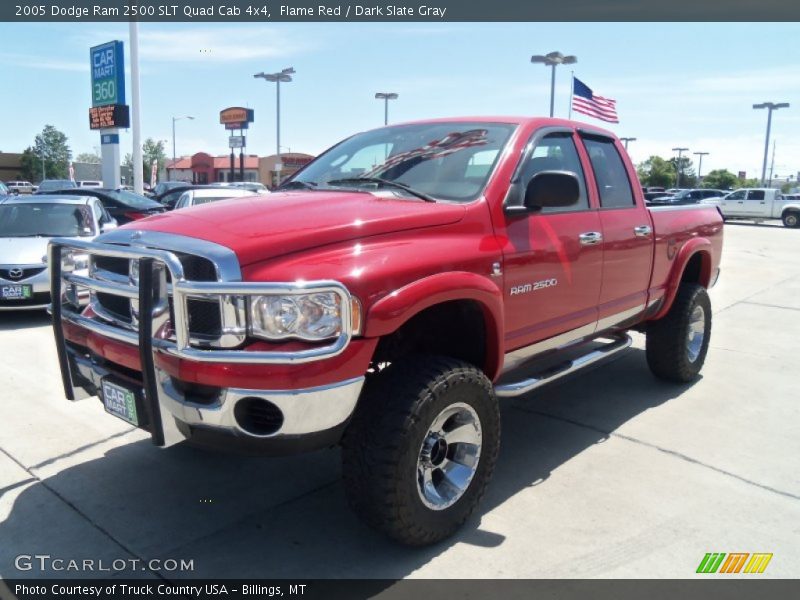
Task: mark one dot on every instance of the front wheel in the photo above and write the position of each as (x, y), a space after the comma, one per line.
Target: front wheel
(421, 448)
(791, 219)
(677, 344)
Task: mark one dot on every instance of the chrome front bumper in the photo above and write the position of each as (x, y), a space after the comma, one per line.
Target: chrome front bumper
(305, 411)
(170, 416)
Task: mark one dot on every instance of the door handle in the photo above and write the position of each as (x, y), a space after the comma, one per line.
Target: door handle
(590, 238)
(642, 230)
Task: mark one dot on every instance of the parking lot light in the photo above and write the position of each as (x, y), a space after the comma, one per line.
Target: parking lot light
(386, 96)
(678, 166)
(553, 59)
(625, 140)
(173, 135)
(770, 106)
(284, 76)
(700, 164)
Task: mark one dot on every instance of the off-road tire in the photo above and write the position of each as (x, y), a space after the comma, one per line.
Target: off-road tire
(667, 351)
(381, 446)
(791, 219)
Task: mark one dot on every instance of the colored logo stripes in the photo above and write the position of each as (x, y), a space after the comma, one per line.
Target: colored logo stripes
(735, 562)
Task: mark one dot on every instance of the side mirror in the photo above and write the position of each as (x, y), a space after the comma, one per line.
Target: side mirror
(108, 225)
(552, 189)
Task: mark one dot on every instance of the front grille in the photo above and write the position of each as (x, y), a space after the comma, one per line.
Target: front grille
(204, 317)
(20, 273)
(119, 307)
(112, 264)
(205, 320)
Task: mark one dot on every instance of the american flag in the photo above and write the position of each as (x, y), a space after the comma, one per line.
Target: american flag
(588, 103)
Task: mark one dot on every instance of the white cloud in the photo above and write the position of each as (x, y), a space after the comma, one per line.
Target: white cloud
(218, 44)
(30, 61)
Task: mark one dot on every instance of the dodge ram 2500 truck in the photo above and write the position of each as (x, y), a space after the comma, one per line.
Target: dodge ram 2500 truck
(384, 299)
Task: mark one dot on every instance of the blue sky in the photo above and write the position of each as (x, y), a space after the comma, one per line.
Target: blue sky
(676, 84)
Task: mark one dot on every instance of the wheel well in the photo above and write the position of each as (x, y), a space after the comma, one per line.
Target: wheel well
(790, 209)
(695, 270)
(456, 329)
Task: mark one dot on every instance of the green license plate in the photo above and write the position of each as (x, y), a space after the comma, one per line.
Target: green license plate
(16, 292)
(120, 402)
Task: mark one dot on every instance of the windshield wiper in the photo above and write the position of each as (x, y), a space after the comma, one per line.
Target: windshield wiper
(305, 185)
(384, 182)
(36, 235)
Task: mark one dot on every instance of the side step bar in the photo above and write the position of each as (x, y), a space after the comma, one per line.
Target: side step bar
(518, 388)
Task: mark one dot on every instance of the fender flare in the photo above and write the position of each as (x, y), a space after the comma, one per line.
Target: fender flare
(396, 308)
(691, 248)
(790, 208)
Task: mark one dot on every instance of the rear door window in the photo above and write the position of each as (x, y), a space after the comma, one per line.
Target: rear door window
(755, 195)
(613, 184)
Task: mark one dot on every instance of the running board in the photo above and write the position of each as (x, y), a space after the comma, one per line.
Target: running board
(518, 388)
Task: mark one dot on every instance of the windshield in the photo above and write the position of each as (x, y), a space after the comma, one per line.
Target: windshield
(56, 184)
(132, 199)
(449, 161)
(45, 219)
(3, 188)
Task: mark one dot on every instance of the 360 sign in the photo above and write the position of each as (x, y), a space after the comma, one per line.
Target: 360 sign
(108, 74)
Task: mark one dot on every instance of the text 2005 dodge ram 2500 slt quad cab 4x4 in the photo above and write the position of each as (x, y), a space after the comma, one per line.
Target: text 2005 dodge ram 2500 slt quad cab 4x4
(384, 299)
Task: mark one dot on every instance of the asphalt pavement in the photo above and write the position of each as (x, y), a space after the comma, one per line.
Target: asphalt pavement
(608, 474)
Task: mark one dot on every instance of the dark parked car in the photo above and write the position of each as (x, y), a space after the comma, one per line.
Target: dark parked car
(48, 186)
(123, 205)
(163, 187)
(171, 196)
(688, 196)
(652, 197)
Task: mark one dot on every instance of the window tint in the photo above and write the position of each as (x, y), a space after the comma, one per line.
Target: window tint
(609, 171)
(556, 152)
(755, 195)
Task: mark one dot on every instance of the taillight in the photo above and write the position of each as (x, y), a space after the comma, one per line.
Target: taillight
(134, 215)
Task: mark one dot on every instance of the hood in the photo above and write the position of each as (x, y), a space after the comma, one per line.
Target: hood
(23, 251)
(261, 227)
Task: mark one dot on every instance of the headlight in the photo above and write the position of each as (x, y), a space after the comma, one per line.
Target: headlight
(311, 317)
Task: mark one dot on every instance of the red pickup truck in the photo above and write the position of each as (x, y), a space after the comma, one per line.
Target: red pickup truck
(384, 299)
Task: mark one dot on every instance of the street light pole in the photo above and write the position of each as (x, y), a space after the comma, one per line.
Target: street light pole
(625, 140)
(679, 166)
(770, 106)
(386, 96)
(174, 156)
(284, 76)
(553, 59)
(700, 164)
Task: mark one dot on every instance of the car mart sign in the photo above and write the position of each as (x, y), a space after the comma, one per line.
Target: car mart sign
(108, 74)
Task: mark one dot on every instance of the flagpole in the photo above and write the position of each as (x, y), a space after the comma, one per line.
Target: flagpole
(571, 90)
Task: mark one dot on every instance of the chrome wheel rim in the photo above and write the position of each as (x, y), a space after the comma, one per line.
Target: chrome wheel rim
(791, 220)
(696, 333)
(449, 456)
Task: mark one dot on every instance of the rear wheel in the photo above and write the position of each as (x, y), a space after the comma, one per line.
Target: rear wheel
(677, 344)
(421, 448)
(791, 219)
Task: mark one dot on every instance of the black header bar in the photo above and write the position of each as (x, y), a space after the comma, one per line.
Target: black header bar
(260, 11)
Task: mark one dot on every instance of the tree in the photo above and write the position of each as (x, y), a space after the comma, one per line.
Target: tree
(88, 157)
(688, 177)
(151, 150)
(656, 172)
(720, 179)
(50, 153)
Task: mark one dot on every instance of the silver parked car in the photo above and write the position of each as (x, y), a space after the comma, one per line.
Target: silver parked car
(206, 195)
(26, 225)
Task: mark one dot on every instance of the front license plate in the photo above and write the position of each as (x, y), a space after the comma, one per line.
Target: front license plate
(120, 402)
(16, 292)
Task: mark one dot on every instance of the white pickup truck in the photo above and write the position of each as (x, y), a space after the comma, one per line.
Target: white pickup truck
(758, 204)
